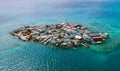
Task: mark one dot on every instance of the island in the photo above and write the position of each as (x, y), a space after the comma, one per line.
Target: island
(64, 35)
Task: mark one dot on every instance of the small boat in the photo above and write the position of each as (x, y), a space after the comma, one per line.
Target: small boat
(74, 48)
(84, 44)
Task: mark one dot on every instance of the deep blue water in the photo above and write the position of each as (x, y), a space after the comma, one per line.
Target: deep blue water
(98, 15)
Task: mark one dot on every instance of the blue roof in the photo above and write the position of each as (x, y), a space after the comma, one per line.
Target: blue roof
(94, 34)
(74, 33)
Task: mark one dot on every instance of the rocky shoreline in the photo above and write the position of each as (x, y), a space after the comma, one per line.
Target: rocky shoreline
(65, 35)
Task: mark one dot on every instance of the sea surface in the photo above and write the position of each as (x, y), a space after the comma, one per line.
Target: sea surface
(98, 15)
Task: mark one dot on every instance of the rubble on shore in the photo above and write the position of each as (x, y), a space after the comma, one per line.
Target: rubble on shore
(65, 35)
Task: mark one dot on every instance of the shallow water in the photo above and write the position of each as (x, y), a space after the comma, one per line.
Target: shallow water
(100, 16)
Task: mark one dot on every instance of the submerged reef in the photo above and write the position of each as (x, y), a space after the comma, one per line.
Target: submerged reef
(65, 35)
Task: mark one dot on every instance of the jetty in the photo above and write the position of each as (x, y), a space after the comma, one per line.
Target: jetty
(64, 34)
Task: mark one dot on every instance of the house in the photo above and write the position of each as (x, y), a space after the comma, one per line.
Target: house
(96, 38)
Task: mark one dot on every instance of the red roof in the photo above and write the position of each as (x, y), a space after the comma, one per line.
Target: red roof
(97, 37)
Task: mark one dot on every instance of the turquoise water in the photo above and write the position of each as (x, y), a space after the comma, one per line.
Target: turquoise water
(98, 15)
